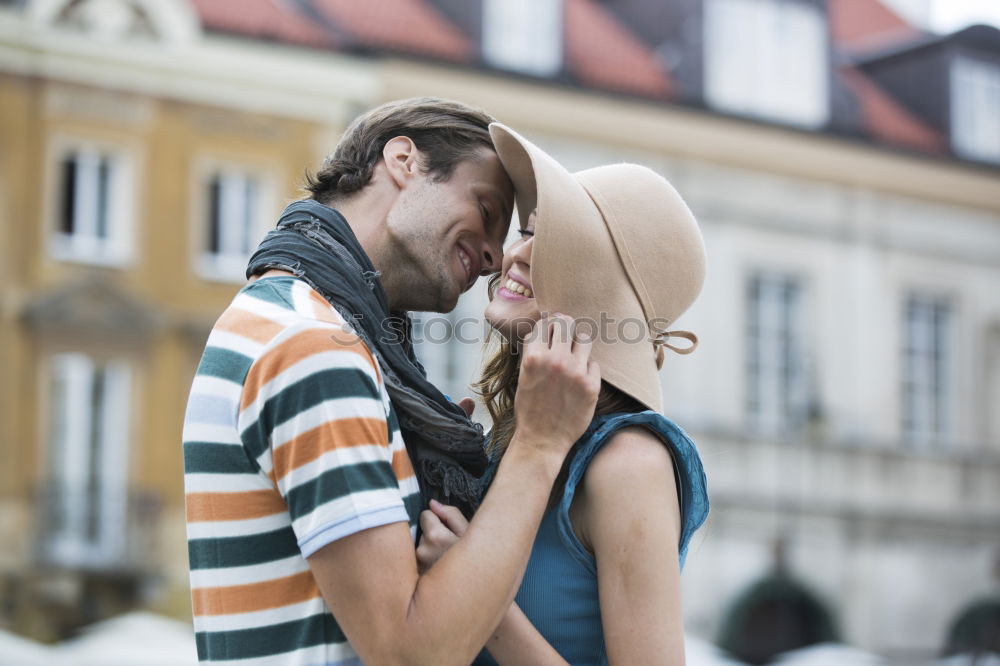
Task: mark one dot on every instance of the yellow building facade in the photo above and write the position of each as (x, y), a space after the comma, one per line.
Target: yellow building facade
(128, 212)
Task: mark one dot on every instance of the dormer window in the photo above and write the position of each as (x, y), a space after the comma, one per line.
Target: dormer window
(524, 35)
(767, 58)
(975, 109)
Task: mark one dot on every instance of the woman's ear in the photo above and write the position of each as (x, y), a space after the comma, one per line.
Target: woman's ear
(400, 157)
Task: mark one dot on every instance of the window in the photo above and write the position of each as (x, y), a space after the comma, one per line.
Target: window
(524, 35)
(87, 460)
(93, 200)
(435, 346)
(975, 116)
(767, 58)
(776, 390)
(450, 345)
(926, 368)
(233, 223)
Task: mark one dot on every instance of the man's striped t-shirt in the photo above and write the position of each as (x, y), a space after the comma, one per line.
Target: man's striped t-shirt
(290, 443)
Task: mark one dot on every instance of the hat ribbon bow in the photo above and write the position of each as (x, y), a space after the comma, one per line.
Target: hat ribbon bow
(660, 342)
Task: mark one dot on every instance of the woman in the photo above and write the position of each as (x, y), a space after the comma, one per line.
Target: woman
(617, 249)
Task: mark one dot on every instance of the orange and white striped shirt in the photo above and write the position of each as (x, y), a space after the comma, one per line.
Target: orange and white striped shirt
(290, 442)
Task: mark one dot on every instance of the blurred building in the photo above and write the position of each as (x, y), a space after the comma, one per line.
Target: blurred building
(845, 168)
(140, 162)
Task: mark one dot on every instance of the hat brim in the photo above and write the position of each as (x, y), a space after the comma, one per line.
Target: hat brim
(571, 241)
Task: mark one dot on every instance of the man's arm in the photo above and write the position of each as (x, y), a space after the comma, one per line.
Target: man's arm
(390, 612)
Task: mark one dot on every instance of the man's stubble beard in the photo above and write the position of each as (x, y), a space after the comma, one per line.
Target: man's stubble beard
(418, 263)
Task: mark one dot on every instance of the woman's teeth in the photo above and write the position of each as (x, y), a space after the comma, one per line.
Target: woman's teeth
(517, 288)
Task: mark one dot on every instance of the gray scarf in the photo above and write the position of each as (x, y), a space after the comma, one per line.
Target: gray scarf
(315, 243)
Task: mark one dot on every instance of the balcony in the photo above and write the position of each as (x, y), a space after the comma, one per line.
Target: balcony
(94, 529)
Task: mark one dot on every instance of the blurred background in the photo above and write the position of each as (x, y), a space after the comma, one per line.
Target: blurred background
(842, 157)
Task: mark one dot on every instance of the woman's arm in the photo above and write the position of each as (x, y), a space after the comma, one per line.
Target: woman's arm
(515, 641)
(629, 515)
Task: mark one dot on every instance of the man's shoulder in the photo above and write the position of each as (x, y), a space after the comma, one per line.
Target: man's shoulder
(272, 309)
(289, 329)
(289, 298)
(280, 322)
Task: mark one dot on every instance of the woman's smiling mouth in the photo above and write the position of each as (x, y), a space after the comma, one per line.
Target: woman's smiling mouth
(514, 290)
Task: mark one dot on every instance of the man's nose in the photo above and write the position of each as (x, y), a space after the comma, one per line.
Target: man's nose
(492, 254)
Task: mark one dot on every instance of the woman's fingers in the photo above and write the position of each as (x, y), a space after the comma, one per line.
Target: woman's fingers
(561, 332)
(450, 516)
(538, 338)
(583, 345)
(435, 541)
(428, 522)
(468, 405)
(556, 391)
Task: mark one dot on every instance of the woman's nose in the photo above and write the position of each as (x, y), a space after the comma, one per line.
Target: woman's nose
(521, 252)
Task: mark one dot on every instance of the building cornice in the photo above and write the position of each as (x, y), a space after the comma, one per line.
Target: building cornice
(697, 134)
(214, 70)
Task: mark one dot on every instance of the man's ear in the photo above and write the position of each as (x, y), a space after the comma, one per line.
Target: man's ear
(400, 156)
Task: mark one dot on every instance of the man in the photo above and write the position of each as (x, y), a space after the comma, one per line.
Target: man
(312, 439)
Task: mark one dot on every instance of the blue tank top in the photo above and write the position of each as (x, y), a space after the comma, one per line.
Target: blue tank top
(559, 590)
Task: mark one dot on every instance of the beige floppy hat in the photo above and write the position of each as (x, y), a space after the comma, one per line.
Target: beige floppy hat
(615, 247)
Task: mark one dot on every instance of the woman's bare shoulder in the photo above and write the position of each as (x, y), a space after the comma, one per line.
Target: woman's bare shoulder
(632, 453)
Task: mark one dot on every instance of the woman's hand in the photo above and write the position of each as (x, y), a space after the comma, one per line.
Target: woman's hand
(442, 526)
(557, 385)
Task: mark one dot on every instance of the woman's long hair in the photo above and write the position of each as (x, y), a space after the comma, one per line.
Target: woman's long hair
(498, 384)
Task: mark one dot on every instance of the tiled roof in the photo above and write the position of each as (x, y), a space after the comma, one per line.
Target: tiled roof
(410, 26)
(861, 26)
(888, 121)
(263, 19)
(867, 24)
(601, 53)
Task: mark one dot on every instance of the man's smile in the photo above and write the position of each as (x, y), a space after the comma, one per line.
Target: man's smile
(470, 263)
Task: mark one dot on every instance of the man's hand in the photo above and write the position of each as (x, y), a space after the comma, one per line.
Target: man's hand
(442, 526)
(558, 385)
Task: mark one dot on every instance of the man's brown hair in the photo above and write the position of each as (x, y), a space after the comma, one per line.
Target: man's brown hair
(446, 132)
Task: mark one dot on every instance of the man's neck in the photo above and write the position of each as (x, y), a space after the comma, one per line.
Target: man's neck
(367, 222)
(366, 213)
